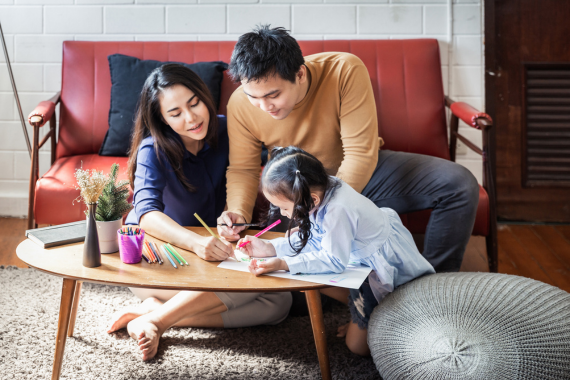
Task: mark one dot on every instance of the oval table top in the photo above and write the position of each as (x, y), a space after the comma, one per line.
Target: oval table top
(66, 261)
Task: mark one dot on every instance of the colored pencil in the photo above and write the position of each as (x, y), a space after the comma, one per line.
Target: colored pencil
(153, 247)
(146, 252)
(168, 256)
(172, 254)
(150, 252)
(144, 256)
(206, 226)
(160, 259)
(262, 232)
(171, 249)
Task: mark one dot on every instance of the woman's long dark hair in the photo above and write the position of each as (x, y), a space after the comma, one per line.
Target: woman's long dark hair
(292, 173)
(149, 121)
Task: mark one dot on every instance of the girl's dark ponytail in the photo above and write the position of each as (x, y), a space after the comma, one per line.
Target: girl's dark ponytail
(301, 212)
(293, 173)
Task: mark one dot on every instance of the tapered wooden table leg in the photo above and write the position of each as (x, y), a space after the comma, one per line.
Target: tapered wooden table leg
(64, 313)
(76, 296)
(318, 323)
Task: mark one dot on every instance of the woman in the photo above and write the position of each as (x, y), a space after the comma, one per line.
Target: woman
(177, 165)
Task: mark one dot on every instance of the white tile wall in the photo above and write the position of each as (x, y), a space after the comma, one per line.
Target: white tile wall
(35, 29)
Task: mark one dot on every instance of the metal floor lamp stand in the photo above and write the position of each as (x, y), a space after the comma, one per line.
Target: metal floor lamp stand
(22, 120)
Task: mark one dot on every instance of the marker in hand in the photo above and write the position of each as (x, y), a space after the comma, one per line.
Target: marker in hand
(261, 232)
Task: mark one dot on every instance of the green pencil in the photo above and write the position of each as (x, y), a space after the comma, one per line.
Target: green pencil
(206, 226)
(172, 254)
(168, 245)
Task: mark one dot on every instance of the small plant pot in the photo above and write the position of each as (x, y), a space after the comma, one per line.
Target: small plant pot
(108, 241)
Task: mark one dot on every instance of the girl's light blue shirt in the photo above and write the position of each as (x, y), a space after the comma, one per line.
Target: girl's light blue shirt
(348, 227)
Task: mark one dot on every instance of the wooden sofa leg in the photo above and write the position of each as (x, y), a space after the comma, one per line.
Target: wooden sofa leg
(33, 178)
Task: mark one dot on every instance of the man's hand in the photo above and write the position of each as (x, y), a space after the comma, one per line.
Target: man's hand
(210, 248)
(229, 232)
(266, 266)
(257, 247)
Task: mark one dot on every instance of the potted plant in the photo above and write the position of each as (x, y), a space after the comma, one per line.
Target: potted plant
(112, 205)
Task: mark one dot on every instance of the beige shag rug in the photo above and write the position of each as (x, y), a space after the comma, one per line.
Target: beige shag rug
(29, 309)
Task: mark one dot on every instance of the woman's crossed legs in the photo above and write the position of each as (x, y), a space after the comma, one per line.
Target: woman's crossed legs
(163, 309)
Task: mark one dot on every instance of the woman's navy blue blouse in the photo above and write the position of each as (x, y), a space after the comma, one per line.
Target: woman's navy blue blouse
(158, 189)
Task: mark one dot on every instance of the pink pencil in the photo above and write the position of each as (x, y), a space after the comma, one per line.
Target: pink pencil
(262, 231)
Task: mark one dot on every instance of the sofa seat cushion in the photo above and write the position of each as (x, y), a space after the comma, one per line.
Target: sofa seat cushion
(417, 222)
(57, 200)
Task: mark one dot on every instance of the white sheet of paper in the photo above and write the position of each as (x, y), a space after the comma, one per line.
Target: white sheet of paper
(352, 277)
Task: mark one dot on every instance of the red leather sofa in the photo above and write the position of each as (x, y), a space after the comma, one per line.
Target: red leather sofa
(405, 75)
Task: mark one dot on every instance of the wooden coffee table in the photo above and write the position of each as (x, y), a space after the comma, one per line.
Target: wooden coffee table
(66, 261)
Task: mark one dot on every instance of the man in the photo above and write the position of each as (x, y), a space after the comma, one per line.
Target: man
(324, 104)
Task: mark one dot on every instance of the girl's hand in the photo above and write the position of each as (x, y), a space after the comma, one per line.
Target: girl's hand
(257, 247)
(211, 249)
(258, 267)
(228, 232)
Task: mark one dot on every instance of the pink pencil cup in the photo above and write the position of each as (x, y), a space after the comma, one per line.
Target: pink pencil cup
(130, 247)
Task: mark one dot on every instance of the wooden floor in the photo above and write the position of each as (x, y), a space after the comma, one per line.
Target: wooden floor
(536, 251)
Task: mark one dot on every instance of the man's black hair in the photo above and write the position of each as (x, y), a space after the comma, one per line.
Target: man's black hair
(265, 52)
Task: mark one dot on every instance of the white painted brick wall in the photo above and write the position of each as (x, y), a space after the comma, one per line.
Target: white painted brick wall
(331, 19)
(16, 19)
(35, 29)
(242, 18)
(390, 19)
(73, 19)
(196, 19)
(128, 19)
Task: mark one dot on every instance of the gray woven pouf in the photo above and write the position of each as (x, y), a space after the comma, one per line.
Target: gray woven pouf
(472, 326)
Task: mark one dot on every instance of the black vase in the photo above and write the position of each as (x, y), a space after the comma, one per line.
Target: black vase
(91, 251)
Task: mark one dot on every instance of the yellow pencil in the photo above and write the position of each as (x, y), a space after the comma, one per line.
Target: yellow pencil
(206, 226)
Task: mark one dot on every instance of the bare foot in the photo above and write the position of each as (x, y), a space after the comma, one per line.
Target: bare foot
(147, 333)
(342, 330)
(120, 319)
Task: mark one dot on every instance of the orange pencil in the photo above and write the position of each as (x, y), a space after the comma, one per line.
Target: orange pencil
(152, 257)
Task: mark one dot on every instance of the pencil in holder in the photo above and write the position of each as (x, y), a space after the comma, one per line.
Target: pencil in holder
(131, 245)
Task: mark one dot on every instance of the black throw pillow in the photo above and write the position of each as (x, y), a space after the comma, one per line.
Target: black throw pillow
(128, 75)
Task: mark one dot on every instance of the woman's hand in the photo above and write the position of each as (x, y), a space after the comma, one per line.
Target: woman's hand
(257, 247)
(211, 249)
(228, 232)
(259, 267)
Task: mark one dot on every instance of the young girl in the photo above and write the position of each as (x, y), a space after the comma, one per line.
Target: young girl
(177, 166)
(336, 225)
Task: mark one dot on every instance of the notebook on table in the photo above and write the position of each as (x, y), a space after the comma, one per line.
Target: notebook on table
(61, 234)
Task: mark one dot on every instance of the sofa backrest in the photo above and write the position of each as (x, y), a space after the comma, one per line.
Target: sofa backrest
(405, 75)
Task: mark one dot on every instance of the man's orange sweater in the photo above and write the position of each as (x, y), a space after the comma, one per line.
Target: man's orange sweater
(336, 122)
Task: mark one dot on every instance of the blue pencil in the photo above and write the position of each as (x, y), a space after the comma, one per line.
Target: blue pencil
(168, 256)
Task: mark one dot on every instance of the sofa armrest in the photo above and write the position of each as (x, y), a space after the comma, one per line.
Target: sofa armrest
(469, 115)
(43, 111)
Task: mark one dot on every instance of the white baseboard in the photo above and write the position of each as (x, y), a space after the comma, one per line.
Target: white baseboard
(14, 206)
